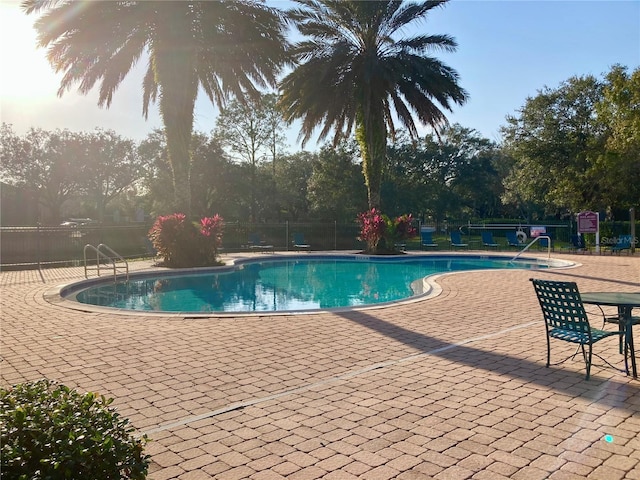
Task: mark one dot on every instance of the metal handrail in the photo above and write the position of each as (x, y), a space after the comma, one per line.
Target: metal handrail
(99, 254)
(531, 243)
(116, 255)
(84, 254)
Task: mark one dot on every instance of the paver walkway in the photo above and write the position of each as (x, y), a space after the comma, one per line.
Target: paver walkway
(450, 387)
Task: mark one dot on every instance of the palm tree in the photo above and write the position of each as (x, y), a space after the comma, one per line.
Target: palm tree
(228, 48)
(352, 69)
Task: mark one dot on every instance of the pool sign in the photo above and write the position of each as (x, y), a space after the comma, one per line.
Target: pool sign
(589, 222)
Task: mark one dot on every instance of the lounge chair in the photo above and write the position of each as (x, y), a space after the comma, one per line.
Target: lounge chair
(426, 240)
(544, 242)
(456, 240)
(299, 243)
(512, 239)
(487, 240)
(624, 243)
(256, 243)
(566, 319)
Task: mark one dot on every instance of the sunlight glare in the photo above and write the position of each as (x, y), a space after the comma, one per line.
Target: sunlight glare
(25, 73)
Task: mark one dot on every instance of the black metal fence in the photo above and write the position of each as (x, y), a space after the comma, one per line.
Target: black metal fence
(30, 247)
(26, 247)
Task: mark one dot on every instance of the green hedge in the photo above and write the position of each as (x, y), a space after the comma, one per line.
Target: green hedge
(50, 431)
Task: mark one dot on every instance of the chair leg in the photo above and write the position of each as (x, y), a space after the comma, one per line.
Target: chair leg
(548, 351)
(588, 362)
(626, 356)
(629, 350)
(576, 352)
(621, 326)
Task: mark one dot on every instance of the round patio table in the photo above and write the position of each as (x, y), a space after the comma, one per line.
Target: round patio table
(625, 301)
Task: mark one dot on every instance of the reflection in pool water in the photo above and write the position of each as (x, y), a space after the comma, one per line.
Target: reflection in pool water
(284, 285)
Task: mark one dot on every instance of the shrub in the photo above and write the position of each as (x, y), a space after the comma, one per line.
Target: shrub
(381, 233)
(182, 244)
(401, 228)
(50, 431)
(373, 226)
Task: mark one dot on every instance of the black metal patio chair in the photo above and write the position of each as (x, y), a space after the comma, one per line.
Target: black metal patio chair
(565, 319)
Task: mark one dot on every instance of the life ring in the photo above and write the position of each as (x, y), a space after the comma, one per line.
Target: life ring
(521, 236)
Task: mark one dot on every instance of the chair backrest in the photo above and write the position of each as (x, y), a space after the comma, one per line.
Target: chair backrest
(487, 237)
(624, 241)
(512, 238)
(254, 238)
(425, 237)
(456, 237)
(561, 305)
(543, 242)
(298, 238)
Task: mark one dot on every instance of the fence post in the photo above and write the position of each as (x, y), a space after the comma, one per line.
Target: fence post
(335, 235)
(38, 245)
(286, 232)
(632, 218)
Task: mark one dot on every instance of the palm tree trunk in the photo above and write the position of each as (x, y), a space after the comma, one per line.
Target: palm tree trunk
(178, 145)
(371, 135)
(175, 73)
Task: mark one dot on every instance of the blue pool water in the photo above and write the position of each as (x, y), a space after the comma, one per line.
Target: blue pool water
(292, 284)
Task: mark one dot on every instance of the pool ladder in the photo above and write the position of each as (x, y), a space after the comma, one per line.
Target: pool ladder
(548, 238)
(110, 256)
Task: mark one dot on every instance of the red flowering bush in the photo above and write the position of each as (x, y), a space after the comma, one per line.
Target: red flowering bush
(182, 244)
(212, 227)
(402, 228)
(381, 233)
(373, 226)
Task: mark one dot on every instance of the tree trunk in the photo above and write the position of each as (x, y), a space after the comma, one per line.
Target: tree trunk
(175, 74)
(371, 135)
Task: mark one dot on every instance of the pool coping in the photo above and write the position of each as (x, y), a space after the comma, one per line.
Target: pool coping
(62, 295)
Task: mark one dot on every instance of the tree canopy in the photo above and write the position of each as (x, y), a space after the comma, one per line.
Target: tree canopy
(59, 165)
(228, 48)
(575, 146)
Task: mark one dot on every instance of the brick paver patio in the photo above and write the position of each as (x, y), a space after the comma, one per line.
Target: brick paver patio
(450, 387)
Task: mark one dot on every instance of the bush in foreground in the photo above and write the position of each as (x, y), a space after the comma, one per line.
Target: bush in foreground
(50, 431)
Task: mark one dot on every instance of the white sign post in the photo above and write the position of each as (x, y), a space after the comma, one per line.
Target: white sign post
(589, 222)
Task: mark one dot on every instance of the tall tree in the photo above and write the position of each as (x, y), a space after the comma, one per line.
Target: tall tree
(109, 166)
(227, 48)
(292, 178)
(452, 176)
(250, 133)
(213, 177)
(619, 110)
(556, 140)
(473, 176)
(336, 190)
(45, 162)
(60, 165)
(354, 71)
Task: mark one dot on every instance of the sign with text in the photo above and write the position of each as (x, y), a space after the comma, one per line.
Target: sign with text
(588, 222)
(537, 230)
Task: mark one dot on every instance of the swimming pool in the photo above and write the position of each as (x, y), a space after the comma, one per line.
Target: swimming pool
(291, 284)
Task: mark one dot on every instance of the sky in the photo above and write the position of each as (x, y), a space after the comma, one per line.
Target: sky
(508, 50)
